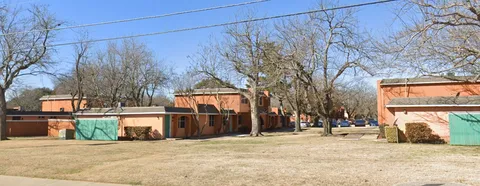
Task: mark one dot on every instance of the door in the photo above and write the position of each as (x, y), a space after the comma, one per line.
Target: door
(167, 126)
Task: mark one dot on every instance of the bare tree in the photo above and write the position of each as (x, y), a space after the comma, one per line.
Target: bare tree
(358, 98)
(27, 98)
(121, 73)
(240, 56)
(334, 48)
(184, 86)
(24, 52)
(443, 38)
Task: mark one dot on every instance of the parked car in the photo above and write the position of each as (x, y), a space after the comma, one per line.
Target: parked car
(373, 122)
(320, 124)
(360, 122)
(345, 123)
(334, 123)
(304, 124)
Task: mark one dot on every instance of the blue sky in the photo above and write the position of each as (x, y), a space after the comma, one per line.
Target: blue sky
(175, 47)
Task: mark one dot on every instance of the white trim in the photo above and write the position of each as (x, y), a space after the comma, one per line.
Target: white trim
(465, 112)
(61, 120)
(98, 118)
(397, 106)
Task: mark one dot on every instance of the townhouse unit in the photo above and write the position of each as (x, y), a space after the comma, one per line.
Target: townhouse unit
(427, 100)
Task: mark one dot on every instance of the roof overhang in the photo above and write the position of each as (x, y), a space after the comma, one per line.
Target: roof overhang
(140, 113)
(405, 106)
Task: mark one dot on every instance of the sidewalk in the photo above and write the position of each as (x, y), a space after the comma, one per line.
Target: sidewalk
(24, 181)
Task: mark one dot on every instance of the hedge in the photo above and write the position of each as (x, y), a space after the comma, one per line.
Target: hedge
(421, 133)
(138, 133)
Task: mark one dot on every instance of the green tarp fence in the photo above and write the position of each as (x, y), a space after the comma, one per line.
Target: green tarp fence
(96, 129)
(464, 128)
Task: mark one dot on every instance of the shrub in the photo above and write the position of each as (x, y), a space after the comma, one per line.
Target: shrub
(244, 129)
(421, 133)
(138, 133)
(391, 134)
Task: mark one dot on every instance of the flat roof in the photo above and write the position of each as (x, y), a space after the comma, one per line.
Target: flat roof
(428, 80)
(442, 101)
(58, 97)
(36, 113)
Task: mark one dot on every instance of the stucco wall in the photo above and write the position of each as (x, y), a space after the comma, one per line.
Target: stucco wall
(55, 105)
(27, 128)
(436, 118)
(387, 92)
(154, 121)
(231, 101)
(55, 125)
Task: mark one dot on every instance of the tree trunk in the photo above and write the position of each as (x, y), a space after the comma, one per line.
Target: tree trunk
(327, 127)
(256, 130)
(297, 122)
(3, 115)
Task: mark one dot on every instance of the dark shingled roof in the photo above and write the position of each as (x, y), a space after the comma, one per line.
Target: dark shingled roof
(209, 109)
(36, 113)
(206, 108)
(211, 91)
(427, 80)
(435, 101)
(229, 111)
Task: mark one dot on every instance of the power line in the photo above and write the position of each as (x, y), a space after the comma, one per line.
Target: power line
(223, 24)
(141, 18)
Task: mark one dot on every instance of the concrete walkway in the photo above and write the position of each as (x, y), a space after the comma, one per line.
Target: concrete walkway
(24, 181)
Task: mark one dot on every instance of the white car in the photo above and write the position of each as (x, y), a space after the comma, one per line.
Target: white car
(304, 124)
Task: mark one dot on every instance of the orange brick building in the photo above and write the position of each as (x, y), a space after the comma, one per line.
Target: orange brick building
(59, 103)
(427, 100)
(230, 99)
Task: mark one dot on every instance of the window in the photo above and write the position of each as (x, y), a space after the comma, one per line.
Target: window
(181, 122)
(16, 118)
(53, 117)
(244, 100)
(211, 121)
(41, 117)
(260, 101)
(62, 109)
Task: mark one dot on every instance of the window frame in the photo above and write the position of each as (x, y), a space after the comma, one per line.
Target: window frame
(260, 101)
(180, 122)
(243, 99)
(211, 120)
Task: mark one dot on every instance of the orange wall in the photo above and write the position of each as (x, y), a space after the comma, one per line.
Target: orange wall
(387, 92)
(154, 121)
(27, 128)
(55, 125)
(55, 105)
(231, 101)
